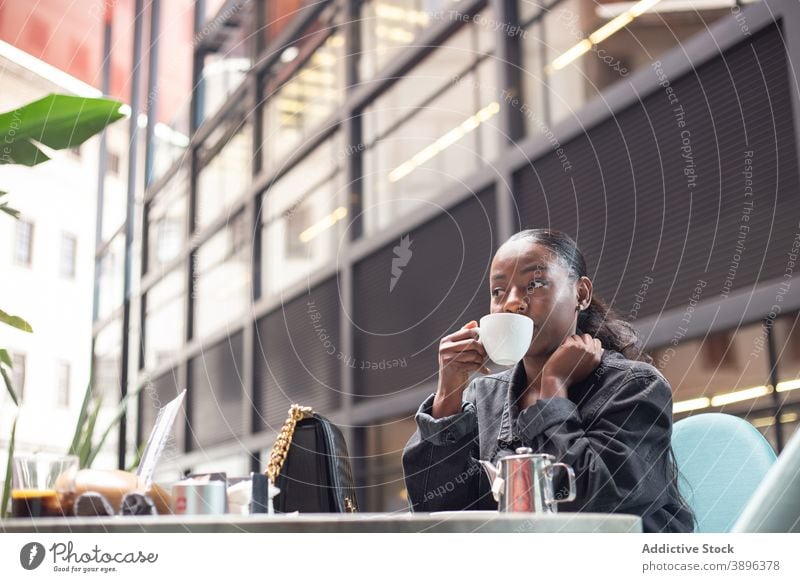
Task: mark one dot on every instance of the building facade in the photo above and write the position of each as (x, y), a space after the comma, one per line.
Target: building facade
(352, 167)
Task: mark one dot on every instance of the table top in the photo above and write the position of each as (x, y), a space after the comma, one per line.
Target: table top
(440, 522)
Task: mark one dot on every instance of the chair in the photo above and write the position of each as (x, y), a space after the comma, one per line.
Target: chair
(721, 460)
(775, 506)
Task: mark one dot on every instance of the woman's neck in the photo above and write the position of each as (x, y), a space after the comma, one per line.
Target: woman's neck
(533, 372)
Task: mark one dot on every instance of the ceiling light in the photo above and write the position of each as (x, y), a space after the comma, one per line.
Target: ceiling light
(739, 395)
(444, 142)
(693, 404)
(324, 224)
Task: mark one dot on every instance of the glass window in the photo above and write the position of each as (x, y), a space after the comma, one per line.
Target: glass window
(63, 385)
(590, 45)
(721, 372)
(388, 26)
(68, 255)
(106, 361)
(115, 189)
(165, 316)
(304, 215)
(385, 441)
(167, 222)
(534, 83)
(297, 109)
(430, 146)
(111, 277)
(112, 265)
(222, 278)
(438, 70)
(18, 374)
(529, 9)
(23, 247)
(223, 181)
(226, 67)
(786, 331)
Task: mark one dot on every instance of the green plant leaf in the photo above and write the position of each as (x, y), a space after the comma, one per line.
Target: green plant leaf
(9, 386)
(137, 458)
(76, 437)
(57, 121)
(15, 321)
(6, 362)
(4, 207)
(121, 408)
(85, 451)
(7, 483)
(25, 153)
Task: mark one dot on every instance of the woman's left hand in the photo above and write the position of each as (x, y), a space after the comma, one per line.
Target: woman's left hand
(573, 360)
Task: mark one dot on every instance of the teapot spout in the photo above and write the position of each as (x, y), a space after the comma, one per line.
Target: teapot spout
(497, 482)
(490, 470)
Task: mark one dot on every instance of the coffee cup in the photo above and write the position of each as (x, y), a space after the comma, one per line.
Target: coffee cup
(506, 336)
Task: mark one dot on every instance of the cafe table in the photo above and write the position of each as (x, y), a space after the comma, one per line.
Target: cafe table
(441, 522)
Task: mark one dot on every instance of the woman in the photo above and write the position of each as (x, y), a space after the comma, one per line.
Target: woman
(583, 392)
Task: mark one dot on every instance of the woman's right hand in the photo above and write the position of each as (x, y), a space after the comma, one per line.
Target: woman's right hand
(460, 354)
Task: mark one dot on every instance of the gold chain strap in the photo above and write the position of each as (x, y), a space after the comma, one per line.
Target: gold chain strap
(281, 446)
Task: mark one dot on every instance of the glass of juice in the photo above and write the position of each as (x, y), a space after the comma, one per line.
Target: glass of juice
(43, 485)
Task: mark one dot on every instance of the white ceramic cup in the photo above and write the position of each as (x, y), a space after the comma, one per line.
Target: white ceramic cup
(506, 336)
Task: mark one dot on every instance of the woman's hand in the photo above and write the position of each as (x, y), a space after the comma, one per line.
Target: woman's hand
(573, 360)
(460, 354)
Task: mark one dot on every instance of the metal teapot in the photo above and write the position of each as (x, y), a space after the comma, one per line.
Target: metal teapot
(523, 482)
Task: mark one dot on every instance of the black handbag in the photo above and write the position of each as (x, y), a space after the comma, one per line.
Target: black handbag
(310, 465)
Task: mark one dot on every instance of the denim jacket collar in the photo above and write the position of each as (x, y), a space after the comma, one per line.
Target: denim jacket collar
(517, 380)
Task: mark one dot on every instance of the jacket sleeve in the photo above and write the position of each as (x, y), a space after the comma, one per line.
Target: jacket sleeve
(620, 452)
(439, 464)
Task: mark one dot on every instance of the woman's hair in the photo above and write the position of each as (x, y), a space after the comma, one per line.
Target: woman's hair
(598, 320)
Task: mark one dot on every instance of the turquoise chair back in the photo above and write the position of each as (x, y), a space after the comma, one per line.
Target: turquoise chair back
(721, 460)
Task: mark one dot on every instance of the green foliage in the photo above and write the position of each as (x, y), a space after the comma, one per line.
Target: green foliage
(5, 368)
(7, 484)
(56, 121)
(83, 441)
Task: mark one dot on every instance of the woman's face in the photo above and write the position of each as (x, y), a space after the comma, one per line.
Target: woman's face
(526, 278)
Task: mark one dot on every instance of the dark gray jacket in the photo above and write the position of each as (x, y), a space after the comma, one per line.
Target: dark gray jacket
(614, 430)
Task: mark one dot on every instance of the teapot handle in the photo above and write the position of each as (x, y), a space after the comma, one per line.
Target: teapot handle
(571, 476)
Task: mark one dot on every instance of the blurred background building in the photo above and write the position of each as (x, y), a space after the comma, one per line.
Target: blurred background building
(349, 168)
